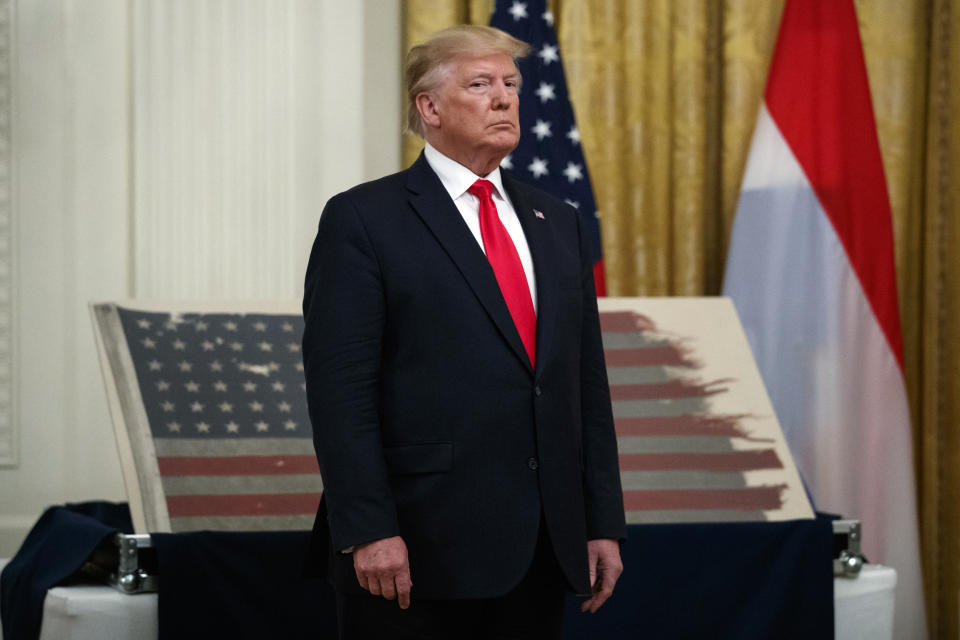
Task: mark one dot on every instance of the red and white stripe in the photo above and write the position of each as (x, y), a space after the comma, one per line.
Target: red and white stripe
(681, 461)
(811, 272)
(242, 484)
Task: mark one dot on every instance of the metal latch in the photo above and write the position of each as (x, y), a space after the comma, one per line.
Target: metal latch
(847, 559)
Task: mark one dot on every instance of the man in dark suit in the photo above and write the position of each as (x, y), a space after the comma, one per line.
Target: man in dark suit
(455, 378)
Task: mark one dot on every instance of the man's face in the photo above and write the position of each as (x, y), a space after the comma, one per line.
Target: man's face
(477, 108)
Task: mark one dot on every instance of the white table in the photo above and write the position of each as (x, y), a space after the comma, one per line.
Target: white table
(88, 611)
(863, 607)
(83, 612)
(863, 610)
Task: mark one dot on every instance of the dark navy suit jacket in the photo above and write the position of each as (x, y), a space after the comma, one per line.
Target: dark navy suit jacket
(428, 419)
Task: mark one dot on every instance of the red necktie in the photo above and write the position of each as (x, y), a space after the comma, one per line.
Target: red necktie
(505, 261)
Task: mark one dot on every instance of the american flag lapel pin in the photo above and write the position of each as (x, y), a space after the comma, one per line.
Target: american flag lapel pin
(539, 214)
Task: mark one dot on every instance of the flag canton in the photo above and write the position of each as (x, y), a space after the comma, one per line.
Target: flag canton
(549, 154)
(219, 375)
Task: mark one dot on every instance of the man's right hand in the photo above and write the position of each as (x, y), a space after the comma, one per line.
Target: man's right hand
(383, 569)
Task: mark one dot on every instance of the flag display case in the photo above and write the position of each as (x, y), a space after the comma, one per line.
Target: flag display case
(209, 411)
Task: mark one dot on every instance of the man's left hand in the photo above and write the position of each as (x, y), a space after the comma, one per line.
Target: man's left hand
(605, 570)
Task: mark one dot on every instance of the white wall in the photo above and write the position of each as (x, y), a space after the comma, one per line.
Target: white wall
(165, 148)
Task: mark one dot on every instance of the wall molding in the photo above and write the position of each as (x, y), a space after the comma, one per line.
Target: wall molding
(9, 450)
(213, 99)
(246, 117)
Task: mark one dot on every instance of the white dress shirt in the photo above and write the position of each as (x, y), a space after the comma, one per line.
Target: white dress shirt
(456, 179)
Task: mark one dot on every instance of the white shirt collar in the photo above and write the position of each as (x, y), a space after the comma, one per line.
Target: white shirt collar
(456, 178)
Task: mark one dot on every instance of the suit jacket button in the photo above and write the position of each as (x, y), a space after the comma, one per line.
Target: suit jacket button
(532, 464)
(536, 391)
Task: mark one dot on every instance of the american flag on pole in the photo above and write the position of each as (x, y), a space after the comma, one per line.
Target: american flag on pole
(214, 408)
(549, 154)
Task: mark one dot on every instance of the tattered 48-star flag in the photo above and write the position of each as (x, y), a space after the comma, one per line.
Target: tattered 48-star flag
(210, 416)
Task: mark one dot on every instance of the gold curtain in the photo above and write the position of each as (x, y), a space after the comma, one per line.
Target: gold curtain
(666, 94)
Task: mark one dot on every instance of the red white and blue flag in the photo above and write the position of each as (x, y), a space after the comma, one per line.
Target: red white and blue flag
(549, 154)
(811, 272)
(214, 418)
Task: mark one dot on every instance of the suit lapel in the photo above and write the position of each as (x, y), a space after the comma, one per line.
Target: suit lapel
(434, 206)
(544, 265)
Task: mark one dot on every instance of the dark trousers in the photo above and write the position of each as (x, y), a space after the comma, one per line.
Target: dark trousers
(532, 610)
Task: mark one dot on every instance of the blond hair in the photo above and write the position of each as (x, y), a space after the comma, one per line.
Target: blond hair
(428, 63)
